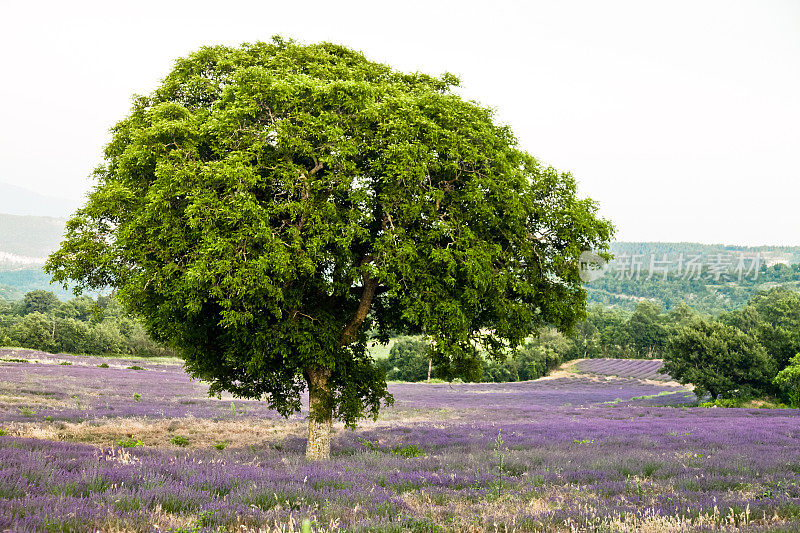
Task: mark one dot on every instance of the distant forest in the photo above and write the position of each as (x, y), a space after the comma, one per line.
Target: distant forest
(712, 279)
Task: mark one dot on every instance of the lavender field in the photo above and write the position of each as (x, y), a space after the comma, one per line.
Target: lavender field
(138, 446)
(630, 368)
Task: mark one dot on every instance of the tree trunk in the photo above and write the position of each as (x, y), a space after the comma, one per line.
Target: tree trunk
(430, 364)
(320, 416)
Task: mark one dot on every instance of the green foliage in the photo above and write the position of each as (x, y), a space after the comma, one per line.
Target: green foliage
(130, 443)
(134, 367)
(719, 360)
(778, 330)
(267, 205)
(408, 451)
(706, 295)
(498, 450)
(34, 330)
(647, 330)
(81, 325)
(536, 360)
(723, 402)
(137, 397)
(788, 381)
(102, 365)
(409, 357)
(3, 432)
(40, 301)
(178, 440)
(408, 360)
(221, 445)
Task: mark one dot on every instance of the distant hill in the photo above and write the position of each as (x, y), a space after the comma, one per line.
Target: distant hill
(14, 284)
(18, 201)
(28, 240)
(25, 243)
(710, 278)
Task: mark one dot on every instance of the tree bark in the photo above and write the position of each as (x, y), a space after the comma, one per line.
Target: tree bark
(320, 415)
(320, 412)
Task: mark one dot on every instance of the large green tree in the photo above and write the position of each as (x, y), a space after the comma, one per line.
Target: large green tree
(719, 360)
(269, 205)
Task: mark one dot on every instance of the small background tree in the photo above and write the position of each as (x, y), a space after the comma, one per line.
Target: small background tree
(788, 381)
(719, 360)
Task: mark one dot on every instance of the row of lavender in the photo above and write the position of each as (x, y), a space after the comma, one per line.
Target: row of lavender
(567, 468)
(629, 368)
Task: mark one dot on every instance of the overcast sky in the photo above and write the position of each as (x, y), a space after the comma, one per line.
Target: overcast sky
(682, 119)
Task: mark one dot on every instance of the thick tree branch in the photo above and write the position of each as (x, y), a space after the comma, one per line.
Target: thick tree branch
(367, 295)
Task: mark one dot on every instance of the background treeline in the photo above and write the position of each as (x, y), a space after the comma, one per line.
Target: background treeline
(751, 352)
(618, 333)
(747, 353)
(83, 325)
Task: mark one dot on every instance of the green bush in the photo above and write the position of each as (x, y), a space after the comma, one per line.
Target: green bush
(178, 440)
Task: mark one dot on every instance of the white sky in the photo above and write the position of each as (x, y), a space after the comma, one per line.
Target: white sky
(682, 118)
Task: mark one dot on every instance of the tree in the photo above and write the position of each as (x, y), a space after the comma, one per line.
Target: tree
(268, 205)
(40, 301)
(647, 330)
(788, 381)
(779, 330)
(719, 360)
(408, 360)
(35, 331)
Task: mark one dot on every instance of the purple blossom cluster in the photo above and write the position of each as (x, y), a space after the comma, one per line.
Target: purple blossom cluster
(575, 453)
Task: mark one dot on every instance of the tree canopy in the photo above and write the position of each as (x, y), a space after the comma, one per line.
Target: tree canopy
(268, 206)
(720, 360)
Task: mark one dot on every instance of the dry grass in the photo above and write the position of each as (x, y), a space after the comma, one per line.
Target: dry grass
(201, 433)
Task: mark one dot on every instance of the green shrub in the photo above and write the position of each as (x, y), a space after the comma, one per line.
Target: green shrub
(102, 365)
(129, 443)
(178, 440)
(221, 445)
(135, 367)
